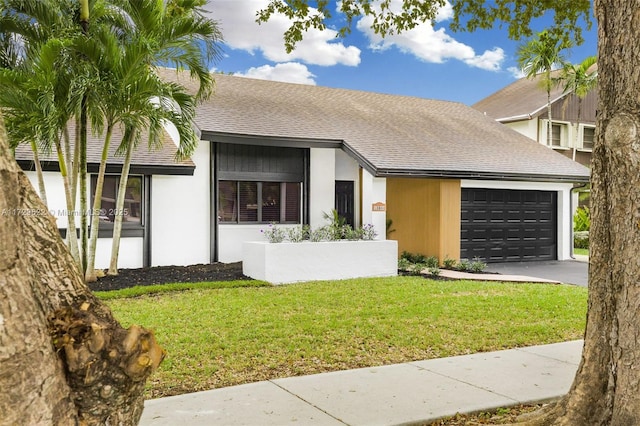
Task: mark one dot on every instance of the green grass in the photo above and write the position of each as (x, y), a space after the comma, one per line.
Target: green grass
(146, 290)
(229, 336)
(581, 251)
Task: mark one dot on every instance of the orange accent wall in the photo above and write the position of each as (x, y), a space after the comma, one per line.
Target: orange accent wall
(425, 215)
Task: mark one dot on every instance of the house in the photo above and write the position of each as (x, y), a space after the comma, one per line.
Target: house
(454, 182)
(522, 106)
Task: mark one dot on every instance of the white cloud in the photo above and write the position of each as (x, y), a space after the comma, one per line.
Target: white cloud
(432, 45)
(516, 72)
(237, 20)
(290, 72)
(490, 60)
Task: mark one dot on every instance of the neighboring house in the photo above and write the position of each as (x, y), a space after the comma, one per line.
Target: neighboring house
(455, 183)
(522, 106)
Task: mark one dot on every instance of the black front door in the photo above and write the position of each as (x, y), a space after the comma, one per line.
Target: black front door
(344, 200)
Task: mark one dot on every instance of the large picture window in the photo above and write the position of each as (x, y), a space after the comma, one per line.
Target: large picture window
(133, 205)
(259, 202)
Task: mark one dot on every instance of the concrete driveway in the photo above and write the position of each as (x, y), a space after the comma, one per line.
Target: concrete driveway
(566, 271)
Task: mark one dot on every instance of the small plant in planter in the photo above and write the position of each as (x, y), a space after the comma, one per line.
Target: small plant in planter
(298, 234)
(274, 234)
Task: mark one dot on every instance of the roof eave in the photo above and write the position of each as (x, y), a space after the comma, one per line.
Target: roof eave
(530, 115)
(457, 174)
(282, 141)
(135, 169)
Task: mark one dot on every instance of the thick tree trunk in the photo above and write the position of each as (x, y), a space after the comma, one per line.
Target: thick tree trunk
(64, 360)
(606, 390)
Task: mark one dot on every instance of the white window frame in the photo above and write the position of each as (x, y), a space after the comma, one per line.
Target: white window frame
(581, 146)
(564, 134)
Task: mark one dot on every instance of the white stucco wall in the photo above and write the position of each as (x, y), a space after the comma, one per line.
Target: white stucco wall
(232, 237)
(374, 190)
(322, 191)
(529, 128)
(180, 215)
(565, 218)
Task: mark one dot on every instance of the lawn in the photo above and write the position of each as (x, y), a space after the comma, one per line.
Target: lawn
(584, 252)
(228, 336)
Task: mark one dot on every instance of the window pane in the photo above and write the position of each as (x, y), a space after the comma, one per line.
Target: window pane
(588, 134)
(132, 208)
(291, 202)
(248, 192)
(271, 202)
(108, 200)
(133, 200)
(227, 200)
(556, 133)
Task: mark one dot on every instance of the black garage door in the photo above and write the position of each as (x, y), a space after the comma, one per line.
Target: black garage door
(501, 225)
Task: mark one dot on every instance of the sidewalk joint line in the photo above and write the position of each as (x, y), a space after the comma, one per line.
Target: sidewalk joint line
(308, 402)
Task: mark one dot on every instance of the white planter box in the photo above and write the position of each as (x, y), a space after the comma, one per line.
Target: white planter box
(281, 263)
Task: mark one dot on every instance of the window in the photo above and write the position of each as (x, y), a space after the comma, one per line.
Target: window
(258, 202)
(133, 204)
(588, 137)
(556, 134)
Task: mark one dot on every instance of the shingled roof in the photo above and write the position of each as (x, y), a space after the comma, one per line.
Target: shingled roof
(389, 135)
(521, 100)
(144, 160)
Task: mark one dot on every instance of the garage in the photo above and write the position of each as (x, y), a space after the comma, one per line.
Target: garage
(501, 225)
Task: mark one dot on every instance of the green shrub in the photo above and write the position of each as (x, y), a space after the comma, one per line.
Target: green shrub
(413, 258)
(464, 265)
(582, 219)
(449, 263)
(435, 271)
(403, 264)
(432, 262)
(581, 239)
(477, 265)
(417, 268)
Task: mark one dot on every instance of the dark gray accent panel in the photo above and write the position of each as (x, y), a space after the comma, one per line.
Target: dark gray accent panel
(499, 225)
(260, 163)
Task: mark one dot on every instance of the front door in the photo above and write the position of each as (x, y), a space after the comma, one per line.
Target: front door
(345, 200)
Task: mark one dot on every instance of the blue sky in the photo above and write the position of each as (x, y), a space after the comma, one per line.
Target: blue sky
(430, 61)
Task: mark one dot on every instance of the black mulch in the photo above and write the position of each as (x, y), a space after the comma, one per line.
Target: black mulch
(170, 274)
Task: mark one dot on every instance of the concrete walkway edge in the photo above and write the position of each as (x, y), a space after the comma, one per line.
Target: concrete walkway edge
(408, 393)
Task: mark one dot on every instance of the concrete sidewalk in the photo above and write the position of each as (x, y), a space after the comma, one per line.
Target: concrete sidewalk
(413, 392)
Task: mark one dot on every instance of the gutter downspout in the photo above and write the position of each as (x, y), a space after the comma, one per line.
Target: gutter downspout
(575, 188)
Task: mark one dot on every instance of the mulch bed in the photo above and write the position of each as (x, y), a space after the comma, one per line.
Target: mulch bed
(170, 274)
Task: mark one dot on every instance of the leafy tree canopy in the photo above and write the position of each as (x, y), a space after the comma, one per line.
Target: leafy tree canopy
(396, 16)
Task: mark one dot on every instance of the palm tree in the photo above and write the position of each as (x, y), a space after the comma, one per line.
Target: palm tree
(36, 85)
(175, 33)
(540, 55)
(579, 80)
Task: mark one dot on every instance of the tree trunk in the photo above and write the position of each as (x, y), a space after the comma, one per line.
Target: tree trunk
(117, 225)
(72, 238)
(40, 176)
(549, 124)
(576, 139)
(64, 360)
(606, 390)
(90, 272)
(82, 176)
